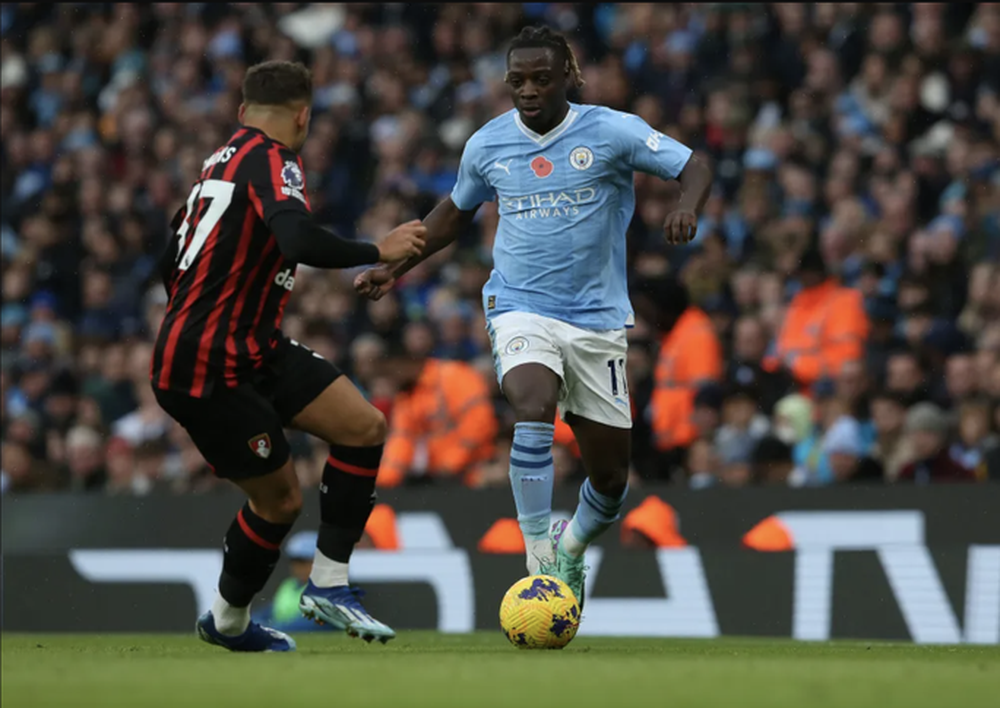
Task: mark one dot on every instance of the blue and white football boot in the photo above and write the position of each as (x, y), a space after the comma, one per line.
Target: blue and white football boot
(341, 608)
(569, 569)
(256, 638)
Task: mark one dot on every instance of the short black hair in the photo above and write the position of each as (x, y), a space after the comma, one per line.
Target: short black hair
(545, 38)
(277, 83)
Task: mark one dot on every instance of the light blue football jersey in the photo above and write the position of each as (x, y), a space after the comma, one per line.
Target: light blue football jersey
(565, 199)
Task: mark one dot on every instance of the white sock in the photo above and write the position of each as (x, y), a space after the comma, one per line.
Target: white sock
(538, 549)
(327, 573)
(571, 544)
(229, 620)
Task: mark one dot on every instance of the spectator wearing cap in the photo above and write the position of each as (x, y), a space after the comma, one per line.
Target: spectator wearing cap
(928, 427)
(690, 355)
(825, 325)
(892, 448)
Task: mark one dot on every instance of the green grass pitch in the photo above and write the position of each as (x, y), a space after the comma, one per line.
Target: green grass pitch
(483, 670)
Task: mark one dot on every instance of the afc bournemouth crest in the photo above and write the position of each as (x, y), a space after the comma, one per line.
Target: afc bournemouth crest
(261, 445)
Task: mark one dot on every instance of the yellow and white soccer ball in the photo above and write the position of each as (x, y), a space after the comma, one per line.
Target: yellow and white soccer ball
(539, 612)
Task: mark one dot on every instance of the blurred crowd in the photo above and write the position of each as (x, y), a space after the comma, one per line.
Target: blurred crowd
(868, 134)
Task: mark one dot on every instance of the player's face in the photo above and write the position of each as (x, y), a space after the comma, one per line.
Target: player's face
(537, 85)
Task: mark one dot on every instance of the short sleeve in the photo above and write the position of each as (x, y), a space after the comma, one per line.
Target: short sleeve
(471, 188)
(644, 149)
(276, 181)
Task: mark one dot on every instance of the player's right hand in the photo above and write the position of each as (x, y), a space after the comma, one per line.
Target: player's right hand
(404, 241)
(374, 282)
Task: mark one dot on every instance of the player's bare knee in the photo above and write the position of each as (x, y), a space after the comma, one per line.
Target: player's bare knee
(280, 506)
(534, 411)
(287, 507)
(612, 482)
(373, 430)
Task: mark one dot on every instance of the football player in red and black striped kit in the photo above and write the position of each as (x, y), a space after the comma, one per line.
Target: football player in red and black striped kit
(223, 369)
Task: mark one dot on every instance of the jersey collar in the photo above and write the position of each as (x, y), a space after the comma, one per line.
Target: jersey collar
(571, 116)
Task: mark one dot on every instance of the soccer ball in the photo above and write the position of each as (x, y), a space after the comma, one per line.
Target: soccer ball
(539, 612)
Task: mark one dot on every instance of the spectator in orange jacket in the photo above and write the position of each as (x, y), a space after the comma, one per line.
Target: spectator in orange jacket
(442, 424)
(825, 325)
(690, 356)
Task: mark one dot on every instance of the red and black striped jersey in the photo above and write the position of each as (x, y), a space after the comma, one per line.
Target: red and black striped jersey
(227, 280)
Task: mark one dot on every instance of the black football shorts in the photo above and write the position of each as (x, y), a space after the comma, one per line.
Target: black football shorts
(240, 431)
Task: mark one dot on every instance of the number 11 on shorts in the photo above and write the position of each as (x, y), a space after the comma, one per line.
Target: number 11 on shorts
(618, 377)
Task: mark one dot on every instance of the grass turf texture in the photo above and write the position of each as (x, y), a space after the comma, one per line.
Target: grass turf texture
(483, 670)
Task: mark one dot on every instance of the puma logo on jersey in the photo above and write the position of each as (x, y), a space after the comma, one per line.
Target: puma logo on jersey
(285, 279)
(505, 168)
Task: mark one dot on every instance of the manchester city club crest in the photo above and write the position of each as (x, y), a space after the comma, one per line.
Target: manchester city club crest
(581, 158)
(291, 175)
(517, 345)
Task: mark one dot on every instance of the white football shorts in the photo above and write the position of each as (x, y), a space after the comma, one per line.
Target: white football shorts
(591, 364)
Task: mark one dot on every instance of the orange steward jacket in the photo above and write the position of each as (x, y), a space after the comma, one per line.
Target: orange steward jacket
(444, 426)
(690, 355)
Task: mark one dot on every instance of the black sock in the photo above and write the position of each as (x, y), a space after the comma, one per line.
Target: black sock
(252, 548)
(347, 497)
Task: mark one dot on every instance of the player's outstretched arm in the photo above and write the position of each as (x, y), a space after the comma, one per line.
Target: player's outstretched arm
(302, 240)
(443, 225)
(682, 222)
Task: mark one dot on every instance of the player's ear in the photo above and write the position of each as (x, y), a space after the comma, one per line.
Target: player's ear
(242, 112)
(303, 117)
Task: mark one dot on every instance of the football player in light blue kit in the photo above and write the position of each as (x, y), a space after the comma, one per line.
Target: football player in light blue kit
(557, 300)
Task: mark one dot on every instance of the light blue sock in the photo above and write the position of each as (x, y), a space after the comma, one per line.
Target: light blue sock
(594, 515)
(531, 477)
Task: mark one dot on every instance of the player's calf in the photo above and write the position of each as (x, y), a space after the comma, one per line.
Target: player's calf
(531, 479)
(347, 496)
(252, 547)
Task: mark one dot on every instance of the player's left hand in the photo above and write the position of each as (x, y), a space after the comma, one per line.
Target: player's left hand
(680, 227)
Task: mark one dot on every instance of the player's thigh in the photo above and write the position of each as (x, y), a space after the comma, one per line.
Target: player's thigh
(596, 384)
(340, 415)
(528, 363)
(312, 395)
(237, 430)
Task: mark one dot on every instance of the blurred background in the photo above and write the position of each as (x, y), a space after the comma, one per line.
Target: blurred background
(868, 134)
